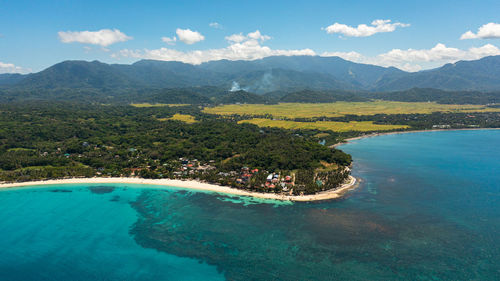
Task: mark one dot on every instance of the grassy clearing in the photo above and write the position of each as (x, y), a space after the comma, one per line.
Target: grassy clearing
(181, 117)
(322, 135)
(17, 149)
(337, 109)
(157, 104)
(364, 126)
(327, 167)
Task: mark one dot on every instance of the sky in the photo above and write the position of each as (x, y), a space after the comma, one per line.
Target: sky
(410, 35)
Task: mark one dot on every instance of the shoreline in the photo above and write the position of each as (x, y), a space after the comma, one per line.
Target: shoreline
(194, 185)
(345, 141)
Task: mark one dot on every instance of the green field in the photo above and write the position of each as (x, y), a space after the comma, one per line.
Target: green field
(157, 104)
(17, 149)
(338, 109)
(364, 126)
(181, 117)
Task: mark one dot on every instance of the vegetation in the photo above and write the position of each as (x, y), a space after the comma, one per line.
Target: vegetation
(338, 109)
(242, 97)
(358, 126)
(279, 73)
(156, 104)
(47, 140)
(439, 96)
(186, 118)
(75, 118)
(309, 96)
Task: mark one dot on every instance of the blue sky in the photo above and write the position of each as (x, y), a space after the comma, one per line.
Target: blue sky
(412, 36)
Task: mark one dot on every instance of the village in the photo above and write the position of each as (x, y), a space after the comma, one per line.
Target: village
(283, 182)
(246, 178)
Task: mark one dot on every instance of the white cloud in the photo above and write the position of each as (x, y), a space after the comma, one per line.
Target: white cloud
(103, 37)
(412, 60)
(363, 30)
(351, 56)
(11, 68)
(169, 41)
(488, 31)
(236, 38)
(241, 47)
(215, 25)
(255, 37)
(188, 36)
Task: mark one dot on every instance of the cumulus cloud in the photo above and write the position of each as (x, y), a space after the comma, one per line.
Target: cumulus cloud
(255, 37)
(215, 25)
(363, 30)
(488, 31)
(412, 59)
(241, 47)
(236, 38)
(11, 68)
(351, 56)
(188, 36)
(169, 41)
(103, 37)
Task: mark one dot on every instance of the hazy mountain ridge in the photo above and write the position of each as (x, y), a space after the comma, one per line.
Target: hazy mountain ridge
(273, 79)
(478, 75)
(263, 75)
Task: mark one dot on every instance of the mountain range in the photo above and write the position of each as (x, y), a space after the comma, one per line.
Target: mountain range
(271, 74)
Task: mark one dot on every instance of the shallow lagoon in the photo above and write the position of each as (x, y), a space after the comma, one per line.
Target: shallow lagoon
(427, 209)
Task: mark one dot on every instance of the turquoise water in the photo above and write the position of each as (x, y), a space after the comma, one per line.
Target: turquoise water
(428, 208)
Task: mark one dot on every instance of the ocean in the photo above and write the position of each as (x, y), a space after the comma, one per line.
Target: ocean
(427, 208)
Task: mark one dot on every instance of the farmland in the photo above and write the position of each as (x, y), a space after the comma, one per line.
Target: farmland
(186, 118)
(156, 104)
(362, 126)
(338, 109)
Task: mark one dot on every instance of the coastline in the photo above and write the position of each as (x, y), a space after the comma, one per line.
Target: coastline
(345, 141)
(195, 185)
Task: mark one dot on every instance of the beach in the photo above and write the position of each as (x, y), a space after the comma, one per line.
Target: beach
(191, 184)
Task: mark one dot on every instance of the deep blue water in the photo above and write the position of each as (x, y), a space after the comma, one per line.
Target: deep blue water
(428, 208)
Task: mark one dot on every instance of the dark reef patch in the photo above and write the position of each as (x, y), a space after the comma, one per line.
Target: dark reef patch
(101, 189)
(257, 242)
(60, 190)
(321, 241)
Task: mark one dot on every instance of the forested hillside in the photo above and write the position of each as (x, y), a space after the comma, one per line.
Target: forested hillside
(279, 73)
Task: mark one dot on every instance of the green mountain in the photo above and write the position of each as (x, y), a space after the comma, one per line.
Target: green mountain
(79, 74)
(354, 74)
(290, 79)
(243, 97)
(309, 96)
(10, 78)
(479, 75)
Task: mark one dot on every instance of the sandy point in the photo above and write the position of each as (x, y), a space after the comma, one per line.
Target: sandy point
(195, 185)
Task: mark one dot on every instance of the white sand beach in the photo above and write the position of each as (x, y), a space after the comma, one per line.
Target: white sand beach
(190, 184)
